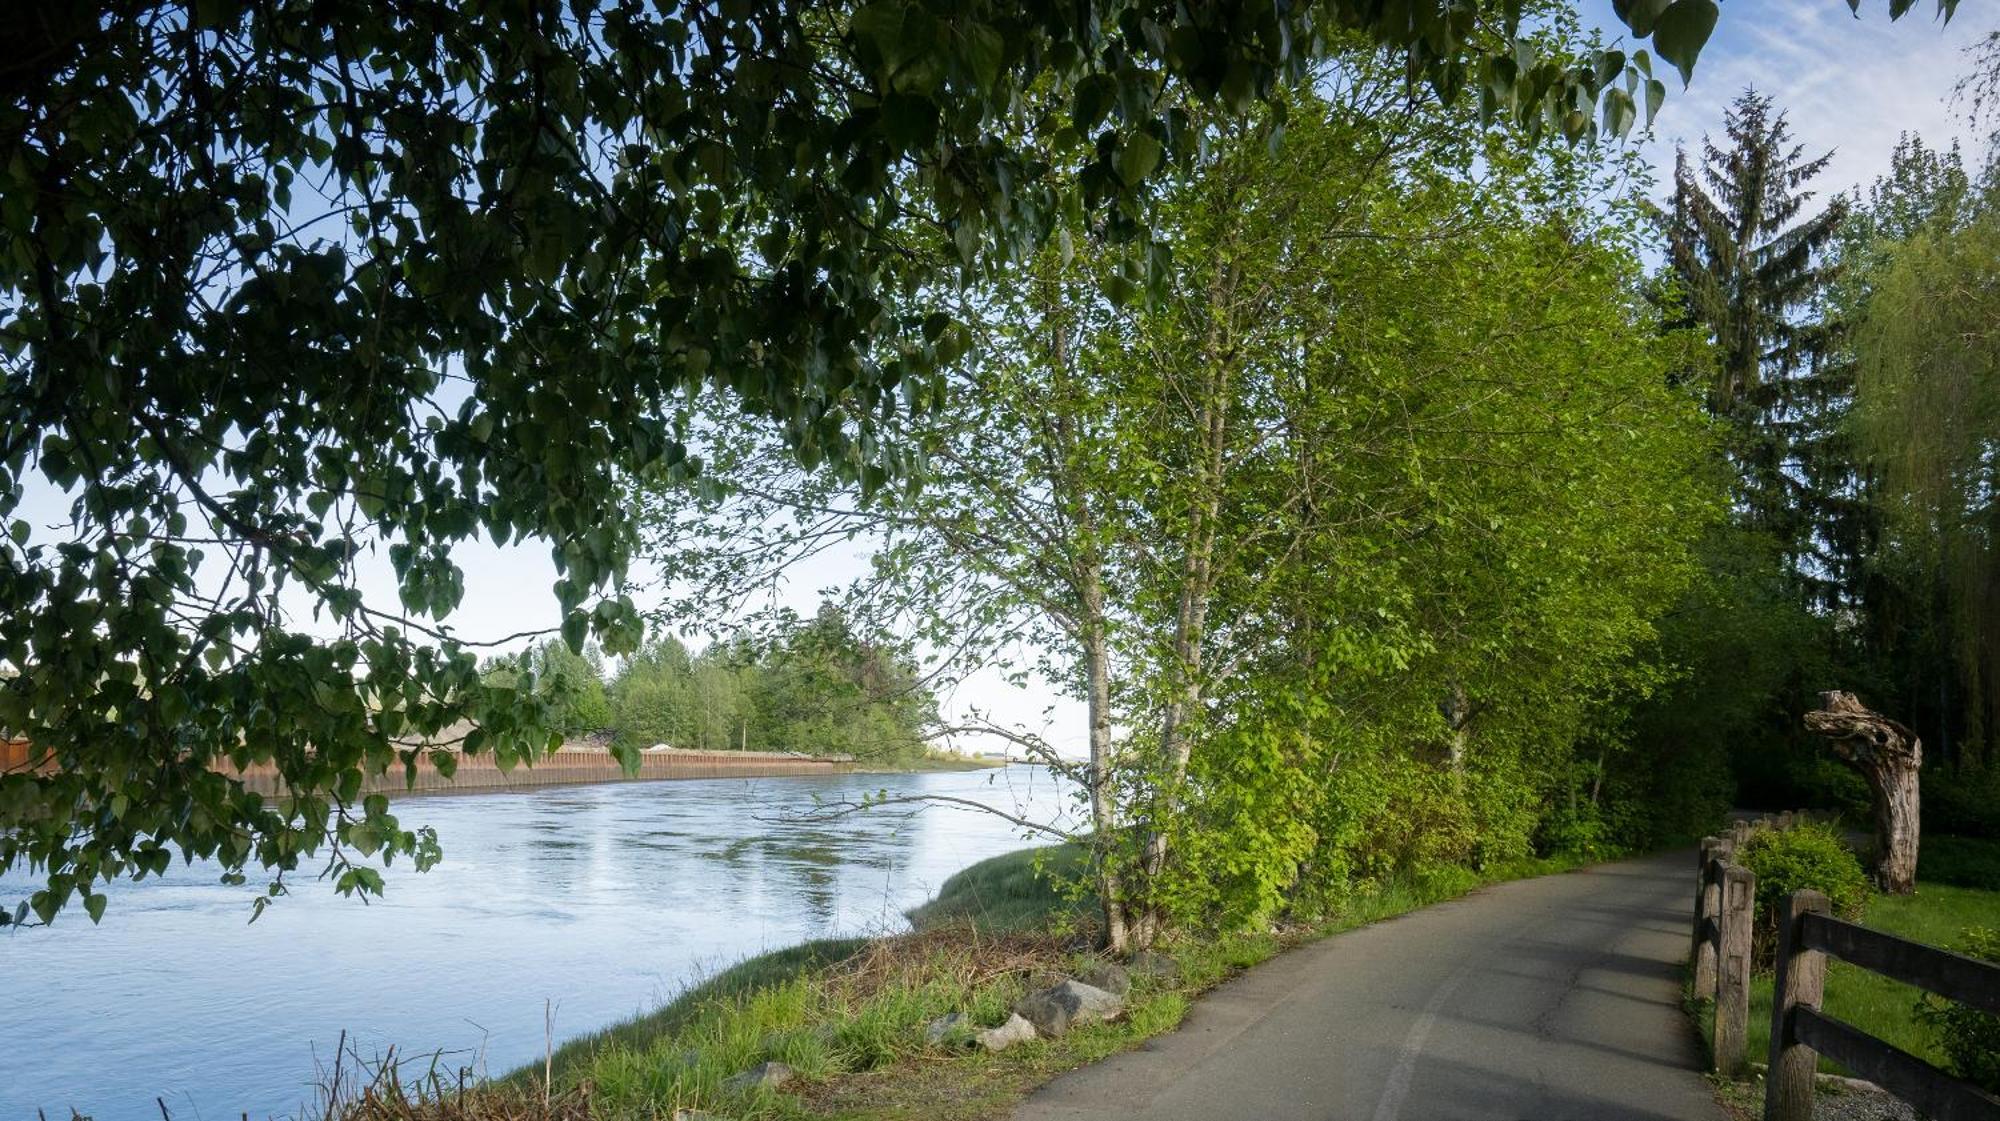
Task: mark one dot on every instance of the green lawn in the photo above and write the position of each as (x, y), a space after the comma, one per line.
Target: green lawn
(1937, 915)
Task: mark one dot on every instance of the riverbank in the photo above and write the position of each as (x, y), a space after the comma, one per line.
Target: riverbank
(573, 765)
(849, 1018)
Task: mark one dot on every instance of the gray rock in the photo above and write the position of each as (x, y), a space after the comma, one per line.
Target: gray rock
(695, 1115)
(1109, 976)
(1150, 963)
(766, 1076)
(955, 1027)
(1015, 1030)
(1056, 1009)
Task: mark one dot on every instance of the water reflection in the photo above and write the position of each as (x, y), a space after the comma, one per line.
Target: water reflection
(602, 900)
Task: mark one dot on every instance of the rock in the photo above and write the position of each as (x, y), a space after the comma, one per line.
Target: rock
(1149, 963)
(955, 1027)
(1015, 1030)
(764, 1076)
(1056, 1009)
(1109, 976)
(695, 1115)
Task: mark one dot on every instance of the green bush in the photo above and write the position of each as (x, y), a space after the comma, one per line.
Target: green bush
(1960, 862)
(1810, 855)
(1965, 803)
(1970, 1037)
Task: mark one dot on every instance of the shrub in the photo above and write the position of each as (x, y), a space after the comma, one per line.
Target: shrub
(1960, 862)
(1809, 855)
(1965, 803)
(1970, 1038)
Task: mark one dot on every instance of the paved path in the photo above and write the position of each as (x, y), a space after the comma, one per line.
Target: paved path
(1554, 999)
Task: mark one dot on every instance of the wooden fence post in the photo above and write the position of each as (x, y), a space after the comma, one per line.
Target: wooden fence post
(1732, 983)
(1800, 982)
(1701, 955)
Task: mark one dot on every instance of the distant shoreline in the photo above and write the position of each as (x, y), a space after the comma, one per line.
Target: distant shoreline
(478, 774)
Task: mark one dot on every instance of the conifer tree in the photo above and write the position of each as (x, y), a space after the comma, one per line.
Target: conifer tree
(1755, 274)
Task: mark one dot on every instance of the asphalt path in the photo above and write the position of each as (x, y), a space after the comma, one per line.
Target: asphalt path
(1551, 999)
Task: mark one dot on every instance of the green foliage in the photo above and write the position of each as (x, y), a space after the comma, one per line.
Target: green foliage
(358, 275)
(1969, 1037)
(1962, 804)
(1748, 264)
(817, 686)
(1959, 861)
(1346, 545)
(571, 684)
(1929, 367)
(1810, 855)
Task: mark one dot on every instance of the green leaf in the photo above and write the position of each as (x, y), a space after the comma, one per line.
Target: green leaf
(1094, 98)
(985, 52)
(93, 905)
(910, 121)
(1682, 31)
(1137, 159)
(1619, 112)
(1640, 15)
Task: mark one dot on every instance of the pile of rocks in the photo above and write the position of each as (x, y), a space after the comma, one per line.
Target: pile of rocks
(1050, 1009)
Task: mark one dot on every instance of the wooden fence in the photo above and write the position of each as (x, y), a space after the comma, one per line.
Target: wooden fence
(1724, 908)
(1801, 1033)
(1725, 897)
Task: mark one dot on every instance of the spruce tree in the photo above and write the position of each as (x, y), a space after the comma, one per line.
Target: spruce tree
(1754, 274)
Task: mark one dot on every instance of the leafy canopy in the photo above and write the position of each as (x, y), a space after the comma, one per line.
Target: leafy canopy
(280, 279)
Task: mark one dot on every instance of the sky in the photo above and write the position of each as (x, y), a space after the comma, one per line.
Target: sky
(1849, 85)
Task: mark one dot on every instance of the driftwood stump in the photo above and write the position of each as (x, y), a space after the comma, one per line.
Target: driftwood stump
(1887, 754)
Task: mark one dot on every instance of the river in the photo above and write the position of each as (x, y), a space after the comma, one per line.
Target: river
(596, 901)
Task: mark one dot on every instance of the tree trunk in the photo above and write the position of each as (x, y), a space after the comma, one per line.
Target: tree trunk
(1888, 755)
(1103, 811)
(1457, 709)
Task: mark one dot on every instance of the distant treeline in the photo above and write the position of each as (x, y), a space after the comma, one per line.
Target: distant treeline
(812, 685)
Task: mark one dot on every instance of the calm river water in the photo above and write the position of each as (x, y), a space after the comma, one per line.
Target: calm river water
(601, 900)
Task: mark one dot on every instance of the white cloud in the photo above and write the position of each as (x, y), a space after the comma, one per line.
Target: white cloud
(1849, 85)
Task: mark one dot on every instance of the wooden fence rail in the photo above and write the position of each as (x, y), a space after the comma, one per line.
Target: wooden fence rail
(1725, 906)
(1801, 1033)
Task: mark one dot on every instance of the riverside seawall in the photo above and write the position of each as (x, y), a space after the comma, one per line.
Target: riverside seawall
(573, 766)
(567, 766)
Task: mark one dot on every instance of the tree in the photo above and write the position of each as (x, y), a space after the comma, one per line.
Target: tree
(1383, 379)
(1929, 361)
(282, 280)
(1890, 757)
(572, 683)
(1749, 265)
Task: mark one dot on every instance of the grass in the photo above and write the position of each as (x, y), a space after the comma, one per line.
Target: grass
(1013, 891)
(849, 1016)
(1938, 915)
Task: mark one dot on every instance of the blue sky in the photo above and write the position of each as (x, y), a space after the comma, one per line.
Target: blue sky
(1850, 84)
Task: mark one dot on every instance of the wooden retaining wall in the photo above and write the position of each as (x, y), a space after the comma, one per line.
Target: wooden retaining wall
(19, 755)
(570, 767)
(566, 767)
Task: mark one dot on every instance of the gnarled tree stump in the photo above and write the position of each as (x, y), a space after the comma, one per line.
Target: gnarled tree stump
(1887, 754)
